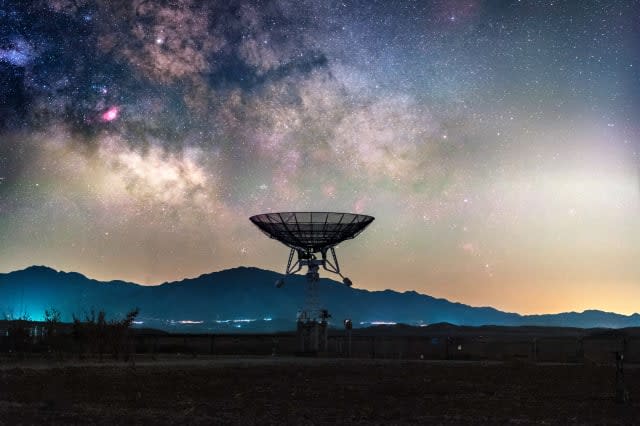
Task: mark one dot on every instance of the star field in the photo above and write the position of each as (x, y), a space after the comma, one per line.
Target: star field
(496, 142)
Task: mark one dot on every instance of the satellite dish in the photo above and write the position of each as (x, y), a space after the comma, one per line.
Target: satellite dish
(307, 234)
(311, 232)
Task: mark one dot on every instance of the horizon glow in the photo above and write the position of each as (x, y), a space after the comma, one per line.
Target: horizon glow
(496, 143)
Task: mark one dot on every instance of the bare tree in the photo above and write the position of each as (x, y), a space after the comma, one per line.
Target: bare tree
(19, 334)
(121, 335)
(96, 335)
(52, 336)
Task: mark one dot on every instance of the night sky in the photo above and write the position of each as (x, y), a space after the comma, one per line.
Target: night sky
(496, 142)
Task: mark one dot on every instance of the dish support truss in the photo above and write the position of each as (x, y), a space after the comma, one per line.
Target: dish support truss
(311, 310)
(307, 234)
(312, 328)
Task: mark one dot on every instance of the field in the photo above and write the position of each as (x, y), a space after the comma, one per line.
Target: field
(274, 390)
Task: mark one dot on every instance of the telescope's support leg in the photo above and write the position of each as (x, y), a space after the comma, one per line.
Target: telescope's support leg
(312, 333)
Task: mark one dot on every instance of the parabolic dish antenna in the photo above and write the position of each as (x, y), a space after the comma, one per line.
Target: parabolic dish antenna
(311, 232)
(308, 233)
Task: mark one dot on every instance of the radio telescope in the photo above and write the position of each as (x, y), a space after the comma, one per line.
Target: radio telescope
(308, 234)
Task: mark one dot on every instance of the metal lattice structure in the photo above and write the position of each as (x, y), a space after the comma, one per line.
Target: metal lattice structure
(311, 232)
(308, 233)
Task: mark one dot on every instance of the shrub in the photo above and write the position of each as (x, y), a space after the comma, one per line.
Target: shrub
(96, 335)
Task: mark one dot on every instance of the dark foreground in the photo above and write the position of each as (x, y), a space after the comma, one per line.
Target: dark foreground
(314, 391)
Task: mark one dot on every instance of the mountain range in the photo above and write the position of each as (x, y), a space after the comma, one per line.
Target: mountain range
(245, 299)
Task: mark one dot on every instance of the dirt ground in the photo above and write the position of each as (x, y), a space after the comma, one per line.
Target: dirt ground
(313, 391)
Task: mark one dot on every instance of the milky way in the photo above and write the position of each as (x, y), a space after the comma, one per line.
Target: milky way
(496, 142)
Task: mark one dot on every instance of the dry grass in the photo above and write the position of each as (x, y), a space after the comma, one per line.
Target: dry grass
(314, 391)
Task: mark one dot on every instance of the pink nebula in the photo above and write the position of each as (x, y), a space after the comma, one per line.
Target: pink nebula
(110, 114)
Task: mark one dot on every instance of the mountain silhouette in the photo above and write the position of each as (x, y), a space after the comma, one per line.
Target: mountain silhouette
(226, 300)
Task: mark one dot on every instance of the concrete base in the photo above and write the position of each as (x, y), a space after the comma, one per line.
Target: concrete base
(312, 337)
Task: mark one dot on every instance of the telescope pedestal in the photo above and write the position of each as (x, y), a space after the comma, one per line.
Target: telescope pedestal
(312, 327)
(308, 233)
(312, 337)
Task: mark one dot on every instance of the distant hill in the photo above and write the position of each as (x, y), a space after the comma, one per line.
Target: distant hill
(244, 299)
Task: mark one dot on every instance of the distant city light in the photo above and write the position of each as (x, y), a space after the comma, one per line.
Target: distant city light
(378, 323)
(236, 322)
(226, 321)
